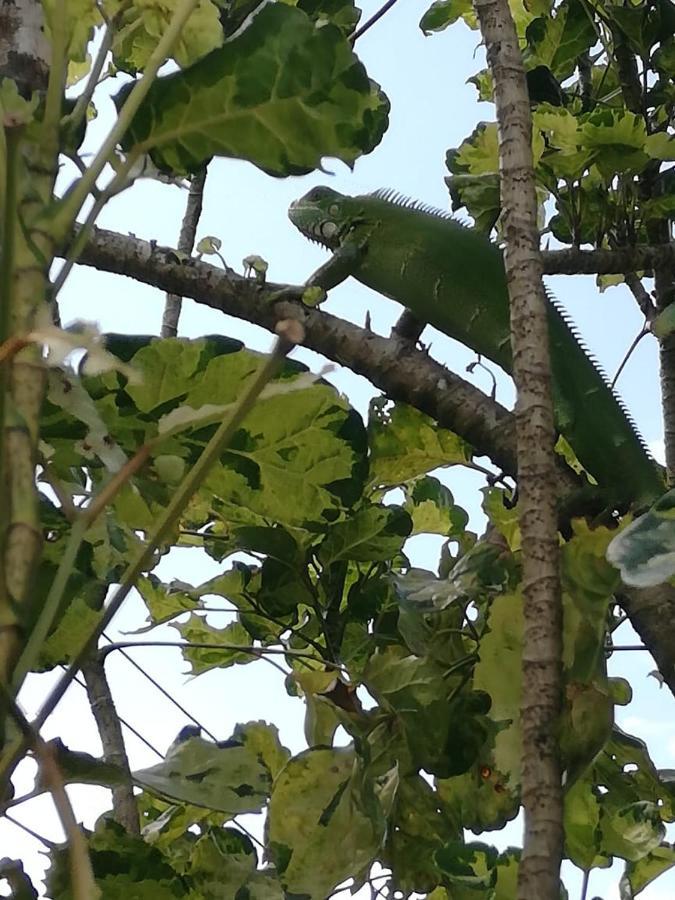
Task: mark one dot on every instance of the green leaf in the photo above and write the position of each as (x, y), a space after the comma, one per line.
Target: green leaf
(342, 13)
(581, 819)
(641, 873)
(80, 19)
(263, 740)
(201, 659)
(664, 323)
(296, 460)
(163, 601)
(660, 146)
(442, 13)
(498, 672)
(405, 443)
(617, 139)
(433, 508)
(470, 866)
(372, 533)
(645, 550)
(418, 828)
(138, 27)
(326, 821)
(231, 777)
(558, 40)
(633, 831)
(282, 94)
(482, 798)
(124, 865)
(222, 860)
(73, 628)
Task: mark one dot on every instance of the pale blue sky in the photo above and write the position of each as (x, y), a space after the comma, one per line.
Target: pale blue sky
(432, 109)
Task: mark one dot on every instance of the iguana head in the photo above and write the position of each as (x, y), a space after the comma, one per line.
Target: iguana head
(322, 215)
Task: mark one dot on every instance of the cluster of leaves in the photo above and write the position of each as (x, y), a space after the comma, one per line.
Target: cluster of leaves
(422, 671)
(601, 124)
(253, 92)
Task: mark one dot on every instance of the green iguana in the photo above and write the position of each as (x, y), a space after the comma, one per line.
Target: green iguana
(453, 278)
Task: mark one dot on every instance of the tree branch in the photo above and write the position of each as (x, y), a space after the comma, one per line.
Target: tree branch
(186, 242)
(392, 365)
(110, 730)
(541, 694)
(606, 262)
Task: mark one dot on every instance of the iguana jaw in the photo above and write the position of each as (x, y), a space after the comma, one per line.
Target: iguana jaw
(317, 216)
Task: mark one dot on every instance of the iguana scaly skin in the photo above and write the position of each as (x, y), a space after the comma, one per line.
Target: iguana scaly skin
(453, 278)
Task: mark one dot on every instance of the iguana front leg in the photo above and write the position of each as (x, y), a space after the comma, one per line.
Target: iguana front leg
(343, 263)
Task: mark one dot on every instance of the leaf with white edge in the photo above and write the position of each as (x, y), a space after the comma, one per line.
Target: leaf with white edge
(138, 26)
(231, 777)
(632, 831)
(184, 417)
(327, 820)
(282, 94)
(61, 342)
(255, 265)
(306, 445)
(208, 245)
(163, 601)
(67, 392)
(644, 552)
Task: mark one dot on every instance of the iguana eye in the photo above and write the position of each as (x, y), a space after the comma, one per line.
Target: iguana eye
(333, 209)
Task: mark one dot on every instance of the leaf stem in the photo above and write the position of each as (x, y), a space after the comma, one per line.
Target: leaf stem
(57, 76)
(80, 109)
(73, 200)
(8, 239)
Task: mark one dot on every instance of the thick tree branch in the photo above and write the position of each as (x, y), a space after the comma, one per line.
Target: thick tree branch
(541, 697)
(392, 365)
(607, 262)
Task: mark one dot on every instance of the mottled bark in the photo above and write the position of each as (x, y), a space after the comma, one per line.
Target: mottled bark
(540, 709)
(109, 727)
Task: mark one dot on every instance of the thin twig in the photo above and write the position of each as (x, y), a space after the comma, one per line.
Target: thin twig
(371, 21)
(186, 242)
(259, 652)
(50, 845)
(125, 808)
(643, 331)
